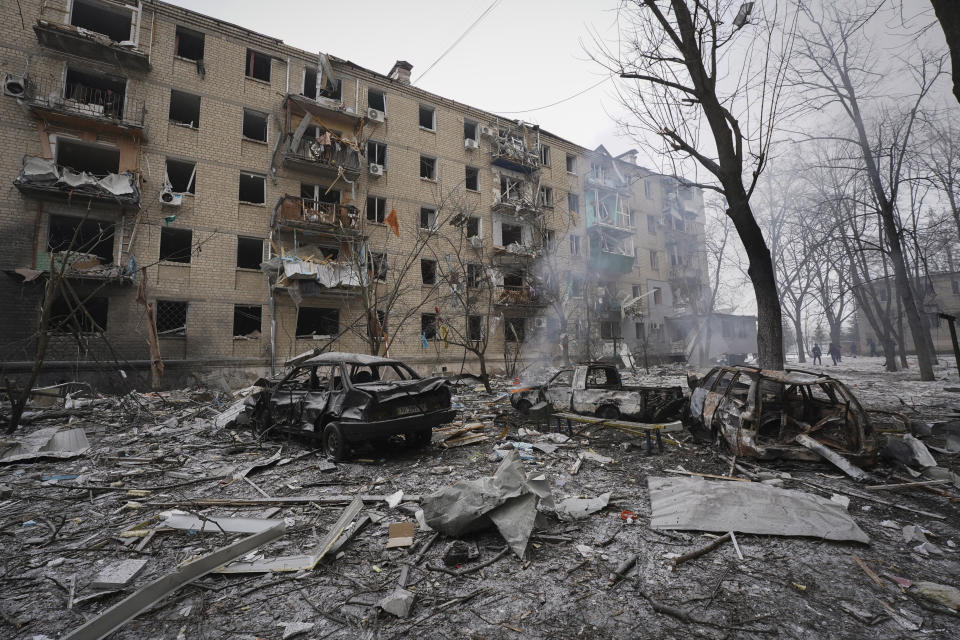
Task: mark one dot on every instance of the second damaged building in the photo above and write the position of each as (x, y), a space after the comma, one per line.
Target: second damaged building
(267, 209)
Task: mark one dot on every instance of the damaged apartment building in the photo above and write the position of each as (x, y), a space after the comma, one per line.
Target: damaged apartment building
(216, 199)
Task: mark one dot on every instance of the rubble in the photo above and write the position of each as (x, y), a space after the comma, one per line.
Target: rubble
(164, 482)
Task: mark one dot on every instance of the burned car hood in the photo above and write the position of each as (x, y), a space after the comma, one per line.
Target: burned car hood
(386, 391)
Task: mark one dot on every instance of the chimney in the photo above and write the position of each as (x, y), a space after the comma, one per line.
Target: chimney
(401, 71)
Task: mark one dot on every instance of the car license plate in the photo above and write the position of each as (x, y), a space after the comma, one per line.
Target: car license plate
(405, 411)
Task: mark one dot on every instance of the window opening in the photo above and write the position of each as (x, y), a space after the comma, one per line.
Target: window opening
(316, 321)
(258, 65)
(189, 43)
(253, 188)
(377, 99)
(93, 237)
(95, 93)
(472, 179)
(428, 325)
(254, 125)
(182, 176)
(246, 320)
(171, 318)
(249, 252)
(114, 22)
(184, 108)
(428, 271)
(428, 218)
(376, 209)
(176, 245)
(428, 117)
(428, 168)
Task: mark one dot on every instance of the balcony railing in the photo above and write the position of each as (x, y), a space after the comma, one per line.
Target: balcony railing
(514, 203)
(606, 179)
(320, 214)
(43, 176)
(88, 44)
(509, 295)
(87, 102)
(327, 158)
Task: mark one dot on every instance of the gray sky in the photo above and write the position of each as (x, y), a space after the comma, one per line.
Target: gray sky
(524, 54)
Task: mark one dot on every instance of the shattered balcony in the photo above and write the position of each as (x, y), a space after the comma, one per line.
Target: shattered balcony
(515, 204)
(512, 152)
(310, 274)
(608, 212)
(79, 41)
(326, 218)
(323, 159)
(607, 179)
(321, 136)
(518, 296)
(43, 177)
(610, 253)
(86, 101)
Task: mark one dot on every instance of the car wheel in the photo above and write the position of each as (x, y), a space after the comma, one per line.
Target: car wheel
(608, 412)
(420, 438)
(523, 406)
(333, 443)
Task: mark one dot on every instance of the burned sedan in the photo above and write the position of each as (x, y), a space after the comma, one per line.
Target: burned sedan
(345, 399)
(759, 413)
(597, 389)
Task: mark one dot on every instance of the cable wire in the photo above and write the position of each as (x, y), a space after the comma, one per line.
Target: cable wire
(553, 104)
(457, 41)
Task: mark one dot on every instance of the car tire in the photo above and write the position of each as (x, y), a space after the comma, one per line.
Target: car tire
(608, 412)
(420, 438)
(333, 443)
(523, 406)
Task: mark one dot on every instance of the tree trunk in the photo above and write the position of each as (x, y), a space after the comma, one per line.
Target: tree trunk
(484, 377)
(769, 318)
(948, 13)
(798, 330)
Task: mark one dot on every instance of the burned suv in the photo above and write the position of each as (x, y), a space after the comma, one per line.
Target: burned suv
(345, 399)
(759, 413)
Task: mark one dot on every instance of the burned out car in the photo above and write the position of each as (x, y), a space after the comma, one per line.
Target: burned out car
(345, 399)
(759, 413)
(598, 390)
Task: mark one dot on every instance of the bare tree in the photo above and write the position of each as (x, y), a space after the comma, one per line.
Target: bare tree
(679, 53)
(836, 68)
(948, 13)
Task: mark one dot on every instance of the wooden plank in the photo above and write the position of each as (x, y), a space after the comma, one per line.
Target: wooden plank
(707, 475)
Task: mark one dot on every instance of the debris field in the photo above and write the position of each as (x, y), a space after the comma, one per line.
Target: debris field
(152, 515)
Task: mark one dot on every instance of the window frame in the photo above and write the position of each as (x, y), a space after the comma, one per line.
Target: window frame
(266, 125)
(466, 178)
(383, 97)
(433, 117)
(250, 65)
(249, 239)
(572, 161)
(250, 174)
(428, 210)
(173, 232)
(434, 172)
(377, 147)
(379, 214)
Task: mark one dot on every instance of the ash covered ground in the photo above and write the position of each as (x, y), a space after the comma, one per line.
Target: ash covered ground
(65, 521)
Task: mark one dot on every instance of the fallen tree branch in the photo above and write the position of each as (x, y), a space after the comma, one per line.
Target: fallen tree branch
(463, 572)
(696, 553)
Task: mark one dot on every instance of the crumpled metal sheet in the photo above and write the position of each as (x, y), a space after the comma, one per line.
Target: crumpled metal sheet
(119, 184)
(695, 504)
(327, 274)
(506, 499)
(77, 179)
(39, 170)
(48, 443)
(579, 508)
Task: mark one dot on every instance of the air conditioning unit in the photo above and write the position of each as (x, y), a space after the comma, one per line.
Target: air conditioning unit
(476, 242)
(470, 143)
(170, 199)
(539, 323)
(486, 131)
(376, 169)
(14, 85)
(376, 115)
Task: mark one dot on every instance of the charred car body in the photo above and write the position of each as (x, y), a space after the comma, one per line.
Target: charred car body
(597, 389)
(344, 399)
(759, 413)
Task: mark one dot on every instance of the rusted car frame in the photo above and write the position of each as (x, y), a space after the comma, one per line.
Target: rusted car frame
(345, 399)
(759, 413)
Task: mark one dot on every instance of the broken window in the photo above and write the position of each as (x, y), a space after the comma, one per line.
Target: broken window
(309, 83)
(376, 99)
(513, 329)
(637, 290)
(428, 271)
(176, 245)
(111, 20)
(428, 117)
(94, 159)
(377, 266)
(513, 279)
(576, 286)
(550, 240)
(246, 320)
(258, 65)
(546, 196)
(609, 330)
(95, 94)
(469, 130)
(571, 163)
(511, 234)
(573, 202)
(319, 193)
(428, 168)
(249, 252)
(574, 244)
(472, 179)
(657, 296)
(89, 315)
(253, 188)
(545, 155)
(376, 209)
(475, 328)
(638, 330)
(182, 176)
(428, 218)
(510, 188)
(87, 236)
(428, 325)
(474, 275)
(254, 125)
(189, 43)
(651, 225)
(184, 108)
(317, 321)
(654, 259)
(171, 318)
(473, 227)
(377, 153)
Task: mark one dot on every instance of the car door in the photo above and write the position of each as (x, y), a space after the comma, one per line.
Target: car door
(560, 390)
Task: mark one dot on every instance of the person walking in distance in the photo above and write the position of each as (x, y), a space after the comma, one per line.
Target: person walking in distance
(816, 353)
